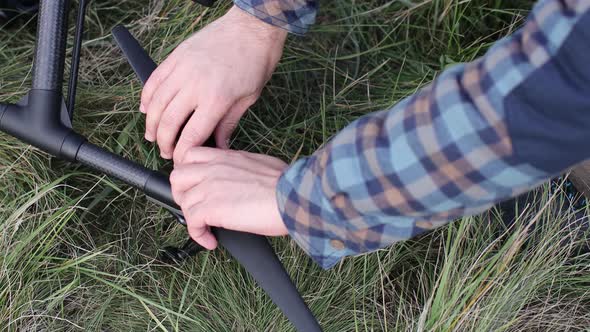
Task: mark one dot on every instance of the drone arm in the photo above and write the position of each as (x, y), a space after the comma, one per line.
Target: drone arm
(113, 165)
(252, 251)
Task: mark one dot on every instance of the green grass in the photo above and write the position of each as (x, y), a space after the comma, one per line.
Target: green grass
(79, 250)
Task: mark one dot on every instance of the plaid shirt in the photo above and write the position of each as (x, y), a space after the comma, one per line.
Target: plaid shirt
(482, 132)
(292, 15)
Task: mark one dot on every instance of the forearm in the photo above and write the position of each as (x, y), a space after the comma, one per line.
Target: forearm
(295, 16)
(479, 134)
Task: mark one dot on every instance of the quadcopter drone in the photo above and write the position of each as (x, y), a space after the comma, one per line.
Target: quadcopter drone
(43, 119)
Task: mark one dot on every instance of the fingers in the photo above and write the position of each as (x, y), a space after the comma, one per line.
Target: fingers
(159, 102)
(229, 122)
(187, 193)
(225, 128)
(200, 154)
(198, 228)
(156, 78)
(210, 164)
(228, 189)
(203, 236)
(185, 177)
(240, 159)
(199, 127)
(171, 121)
(197, 217)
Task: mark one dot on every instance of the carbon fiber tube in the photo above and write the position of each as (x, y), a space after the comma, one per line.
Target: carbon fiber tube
(51, 42)
(258, 258)
(113, 165)
(252, 251)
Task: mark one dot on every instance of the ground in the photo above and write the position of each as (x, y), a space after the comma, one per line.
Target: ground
(79, 249)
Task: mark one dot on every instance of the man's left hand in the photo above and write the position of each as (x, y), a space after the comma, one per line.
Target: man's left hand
(228, 189)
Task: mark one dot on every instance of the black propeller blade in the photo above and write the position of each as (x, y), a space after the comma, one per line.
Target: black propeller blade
(140, 61)
(253, 252)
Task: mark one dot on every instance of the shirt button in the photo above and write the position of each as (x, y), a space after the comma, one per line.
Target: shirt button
(337, 244)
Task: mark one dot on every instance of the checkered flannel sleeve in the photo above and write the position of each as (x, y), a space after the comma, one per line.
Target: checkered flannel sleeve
(295, 16)
(480, 133)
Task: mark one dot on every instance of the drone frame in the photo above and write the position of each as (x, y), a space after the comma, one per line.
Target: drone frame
(44, 120)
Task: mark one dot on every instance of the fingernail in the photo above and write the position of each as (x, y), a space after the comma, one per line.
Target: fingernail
(164, 155)
(142, 109)
(148, 136)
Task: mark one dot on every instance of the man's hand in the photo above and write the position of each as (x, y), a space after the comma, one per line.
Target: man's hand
(210, 79)
(228, 189)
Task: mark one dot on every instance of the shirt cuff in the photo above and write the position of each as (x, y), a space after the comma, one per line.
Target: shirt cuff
(295, 16)
(304, 219)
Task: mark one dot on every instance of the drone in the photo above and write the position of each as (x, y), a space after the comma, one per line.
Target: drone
(43, 119)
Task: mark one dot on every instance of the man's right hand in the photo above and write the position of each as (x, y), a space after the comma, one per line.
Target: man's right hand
(210, 79)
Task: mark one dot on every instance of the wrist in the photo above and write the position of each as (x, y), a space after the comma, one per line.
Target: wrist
(254, 25)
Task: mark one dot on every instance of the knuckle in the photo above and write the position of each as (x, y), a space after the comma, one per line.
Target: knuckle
(179, 156)
(174, 178)
(167, 121)
(231, 154)
(178, 198)
(156, 76)
(157, 102)
(150, 86)
(195, 218)
(195, 231)
(218, 96)
(182, 154)
(191, 135)
(147, 89)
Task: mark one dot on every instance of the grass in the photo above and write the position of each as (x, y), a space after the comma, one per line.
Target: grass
(79, 250)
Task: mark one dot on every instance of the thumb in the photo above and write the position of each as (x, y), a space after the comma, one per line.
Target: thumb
(229, 122)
